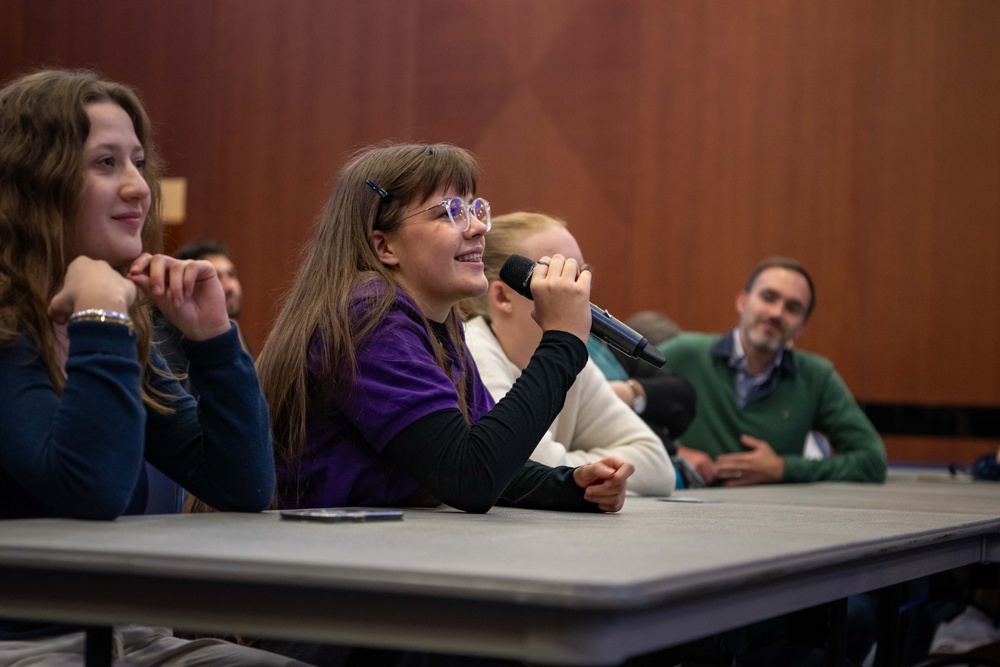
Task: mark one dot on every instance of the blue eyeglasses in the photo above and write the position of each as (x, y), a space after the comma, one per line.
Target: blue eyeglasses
(461, 214)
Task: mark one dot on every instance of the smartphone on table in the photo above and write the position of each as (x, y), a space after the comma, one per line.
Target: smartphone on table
(343, 514)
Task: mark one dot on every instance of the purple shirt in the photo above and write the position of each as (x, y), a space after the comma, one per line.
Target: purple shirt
(397, 384)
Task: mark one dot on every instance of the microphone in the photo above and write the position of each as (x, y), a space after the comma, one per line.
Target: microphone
(516, 273)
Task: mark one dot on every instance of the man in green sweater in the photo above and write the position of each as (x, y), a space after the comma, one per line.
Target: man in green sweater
(758, 399)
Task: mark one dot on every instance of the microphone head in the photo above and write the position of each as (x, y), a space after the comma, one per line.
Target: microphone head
(516, 274)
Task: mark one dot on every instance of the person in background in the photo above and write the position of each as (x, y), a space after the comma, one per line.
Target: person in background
(665, 401)
(502, 337)
(217, 254)
(656, 327)
(85, 399)
(374, 397)
(758, 398)
(987, 467)
(168, 337)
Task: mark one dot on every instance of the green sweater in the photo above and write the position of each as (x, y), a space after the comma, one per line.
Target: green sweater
(809, 396)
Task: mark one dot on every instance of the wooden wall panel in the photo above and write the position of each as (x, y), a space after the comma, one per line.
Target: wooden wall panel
(934, 235)
(12, 46)
(753, 121)
(683, 140)
(299, 86)
(164, 54)
(562, 136)
(938, 451)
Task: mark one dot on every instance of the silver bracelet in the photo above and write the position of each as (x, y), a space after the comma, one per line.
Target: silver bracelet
(101, 315)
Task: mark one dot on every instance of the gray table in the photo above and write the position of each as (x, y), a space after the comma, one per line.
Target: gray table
(909, 490)
(538, 586)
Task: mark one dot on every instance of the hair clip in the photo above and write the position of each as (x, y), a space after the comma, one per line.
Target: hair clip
(374, 186)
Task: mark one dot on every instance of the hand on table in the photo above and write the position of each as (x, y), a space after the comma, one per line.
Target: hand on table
(759, 465)
(604, 482)
(701, 462)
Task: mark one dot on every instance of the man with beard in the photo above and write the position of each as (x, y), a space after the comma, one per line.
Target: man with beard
(758, 398)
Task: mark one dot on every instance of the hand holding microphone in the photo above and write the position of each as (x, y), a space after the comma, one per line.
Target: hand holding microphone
(561, 293)
(517, 272)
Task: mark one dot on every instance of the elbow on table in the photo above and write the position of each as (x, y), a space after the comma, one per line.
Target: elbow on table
(106, 506)
(250, 492)
(471, 505)
(873, 467)
(878, 471)
(248, 500)
(249, 489)
(872, 470)
(467, 495)
(477, 509)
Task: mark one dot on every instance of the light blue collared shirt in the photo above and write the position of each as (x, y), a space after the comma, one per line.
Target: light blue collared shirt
(748, 386)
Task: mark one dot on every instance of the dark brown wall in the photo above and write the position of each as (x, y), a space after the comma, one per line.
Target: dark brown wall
(683, 141)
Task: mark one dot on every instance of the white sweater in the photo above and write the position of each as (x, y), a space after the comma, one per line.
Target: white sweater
(593, 423)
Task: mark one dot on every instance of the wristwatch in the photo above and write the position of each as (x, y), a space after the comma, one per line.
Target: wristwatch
(639, 402)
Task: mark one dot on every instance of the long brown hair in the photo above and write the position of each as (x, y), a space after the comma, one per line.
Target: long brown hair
(43, 127)
(339, 261)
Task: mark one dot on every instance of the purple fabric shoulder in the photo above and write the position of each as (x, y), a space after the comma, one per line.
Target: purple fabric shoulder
(397, 384)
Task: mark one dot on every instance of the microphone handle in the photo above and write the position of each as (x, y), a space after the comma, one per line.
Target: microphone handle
(516, 272)
(616, 334)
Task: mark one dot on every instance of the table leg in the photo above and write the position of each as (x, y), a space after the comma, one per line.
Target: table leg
(98, 651)
(887, 651)
(838, 632)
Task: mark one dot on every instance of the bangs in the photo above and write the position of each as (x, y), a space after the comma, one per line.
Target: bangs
(446, 167)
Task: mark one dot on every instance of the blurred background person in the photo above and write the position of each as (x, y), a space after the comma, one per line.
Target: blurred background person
(168, 338)
(665, 401)
(758, 398)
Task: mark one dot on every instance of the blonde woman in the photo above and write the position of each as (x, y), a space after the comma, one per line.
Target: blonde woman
(502, 336)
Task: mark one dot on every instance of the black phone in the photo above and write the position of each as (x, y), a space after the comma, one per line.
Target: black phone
(340, 514)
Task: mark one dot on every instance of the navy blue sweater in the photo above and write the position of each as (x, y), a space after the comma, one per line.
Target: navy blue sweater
(81, 454)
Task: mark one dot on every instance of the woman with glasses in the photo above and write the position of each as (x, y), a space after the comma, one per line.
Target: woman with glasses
(502, 337)
(374, 398)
